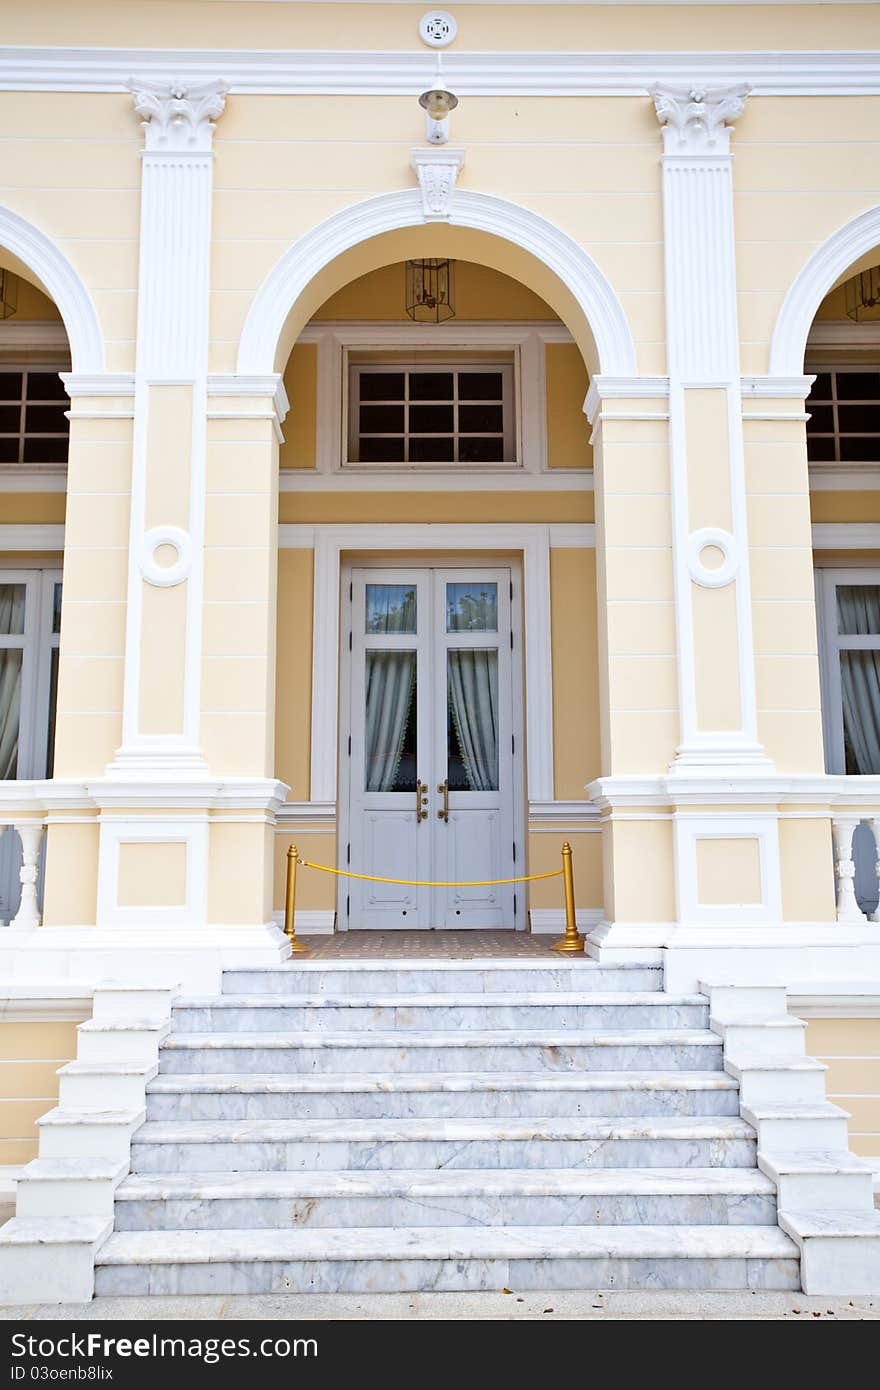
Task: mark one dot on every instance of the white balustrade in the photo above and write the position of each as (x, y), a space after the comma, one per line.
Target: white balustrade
(30, 834)
(843, 829)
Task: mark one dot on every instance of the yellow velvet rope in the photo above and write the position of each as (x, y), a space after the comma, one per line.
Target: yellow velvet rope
(426, 883)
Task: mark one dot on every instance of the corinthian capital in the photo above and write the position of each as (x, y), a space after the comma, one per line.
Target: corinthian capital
(178, 115)
(697, 120)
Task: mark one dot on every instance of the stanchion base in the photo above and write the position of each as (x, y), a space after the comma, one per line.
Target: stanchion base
(568, 947)
(297, 948)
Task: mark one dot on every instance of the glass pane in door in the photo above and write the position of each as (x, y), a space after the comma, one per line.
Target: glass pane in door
(860, 688)
(472, 719)
(11, 610)
(858, 609)
(472, 607)
(10, 710)
(391, 725)
(390, 608)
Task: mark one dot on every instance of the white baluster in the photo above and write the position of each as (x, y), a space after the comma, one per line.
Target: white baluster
(875, 831)
(30, 833)
(848, 909)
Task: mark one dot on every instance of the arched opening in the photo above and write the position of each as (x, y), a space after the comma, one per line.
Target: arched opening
(436, 546)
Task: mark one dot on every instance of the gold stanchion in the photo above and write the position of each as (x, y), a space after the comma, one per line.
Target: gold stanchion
(296, 947)
(572, 943)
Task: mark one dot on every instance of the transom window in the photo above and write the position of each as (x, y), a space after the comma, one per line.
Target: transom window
(33, 425)
(844, 424)
(442, 413)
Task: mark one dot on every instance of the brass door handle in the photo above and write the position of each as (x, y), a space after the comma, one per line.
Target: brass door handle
(444, 788)
(421, 802)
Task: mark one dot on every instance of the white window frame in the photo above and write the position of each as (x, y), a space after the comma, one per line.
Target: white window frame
(831, 644)
(456, 365)
(37, 643)
(336, 341)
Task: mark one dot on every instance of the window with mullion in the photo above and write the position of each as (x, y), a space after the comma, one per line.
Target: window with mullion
(442, 415)
(33, 422)
(844, 408)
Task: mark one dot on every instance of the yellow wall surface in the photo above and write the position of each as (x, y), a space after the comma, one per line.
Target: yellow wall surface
(850, 1047)
(30, 1054)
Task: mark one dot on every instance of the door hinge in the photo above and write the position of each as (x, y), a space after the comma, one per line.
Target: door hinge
(514, 851)
(510, 587)
(511, 639)
(349, 745)
(349, 641)
(513, 744)
(514, 904)
(348, 853)
(351, 592)
(347, 904)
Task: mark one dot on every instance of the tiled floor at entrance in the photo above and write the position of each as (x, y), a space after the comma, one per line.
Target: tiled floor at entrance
(445, 945)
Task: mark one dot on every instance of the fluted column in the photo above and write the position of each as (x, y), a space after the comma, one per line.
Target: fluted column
(716, 672)
(160, 726)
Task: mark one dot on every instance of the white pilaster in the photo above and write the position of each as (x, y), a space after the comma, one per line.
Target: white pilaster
(703, 352)
(172, 349)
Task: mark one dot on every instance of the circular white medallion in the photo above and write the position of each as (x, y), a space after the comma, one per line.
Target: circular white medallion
(710, 538)
(165, 576)
(437, 28)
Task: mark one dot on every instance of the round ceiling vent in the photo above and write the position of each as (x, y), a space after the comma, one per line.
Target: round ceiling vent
(437, 28)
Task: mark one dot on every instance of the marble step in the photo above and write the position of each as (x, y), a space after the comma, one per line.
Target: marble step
(137, 1263)
(429, 1052)
(406, 976)
(499, 1197)
(335, 1013)
(392, 1096)
(701, 1141)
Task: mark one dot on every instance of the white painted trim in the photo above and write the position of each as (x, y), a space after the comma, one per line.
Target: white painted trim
(321, 814)
(262, 337)
(553, 814)
(405, 72)
(552, 919)
(499, 480)
(34, 335)
(63, 285)
(192, 831)
(688, 828)
(311, 921)
(836, 477)
(18, 478)
(330, 542)
(846, 535)
(840, 334)
(563, 535)
(35, 536)
(816, 277)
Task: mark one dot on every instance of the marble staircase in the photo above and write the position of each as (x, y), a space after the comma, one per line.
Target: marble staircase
(396, 1125)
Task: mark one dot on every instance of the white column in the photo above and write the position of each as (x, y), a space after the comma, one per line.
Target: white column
(172, 351)
(842, 832)
(703, 355)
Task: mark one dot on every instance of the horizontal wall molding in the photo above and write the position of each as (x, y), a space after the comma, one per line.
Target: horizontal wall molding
(402, 73)
(34, 335)
(37, 537)
(407, 480)
(302, 536)
(16, 477)
(846, 535)
(843, 333)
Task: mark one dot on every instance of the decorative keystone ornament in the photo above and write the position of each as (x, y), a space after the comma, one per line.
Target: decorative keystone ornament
(437, 171)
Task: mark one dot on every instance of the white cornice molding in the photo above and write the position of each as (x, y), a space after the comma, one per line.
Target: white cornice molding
(231, 385)
(34, 335)
(433, 480)
(297, 72)
(843, 333)
(794, 388)
(178, 115)
(622, 388)
(437, 168)
(400, 334)
(98, 383)
(40, 536)
(846, 535)
(697, 119)
(678, 792)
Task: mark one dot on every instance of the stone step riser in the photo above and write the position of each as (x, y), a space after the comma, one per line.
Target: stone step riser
(197, 1105)
(64, 1199)
(825, 1191)
(782, 1088)
(454, 1018)
(361, 1060)
(791, 1135)
(100, 1092)
(432, 1154)
(347, 1212)
(119, 1045)
(357, 980)
(85, 1141)
(394, 1275)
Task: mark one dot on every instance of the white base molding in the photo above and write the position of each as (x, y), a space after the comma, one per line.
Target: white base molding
(552, 920)
(311, 921)
(192, 957)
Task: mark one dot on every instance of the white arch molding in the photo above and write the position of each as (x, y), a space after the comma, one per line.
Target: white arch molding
(55, 272)
(826, 265)
(481, 212)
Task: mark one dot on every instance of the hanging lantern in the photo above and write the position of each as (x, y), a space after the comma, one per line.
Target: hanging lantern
(8, 294)
(429, 291)
(863, 295)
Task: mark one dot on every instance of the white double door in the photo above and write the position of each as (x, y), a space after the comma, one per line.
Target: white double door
(431, 748)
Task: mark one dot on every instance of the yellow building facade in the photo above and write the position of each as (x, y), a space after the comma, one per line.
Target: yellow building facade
(431, 492)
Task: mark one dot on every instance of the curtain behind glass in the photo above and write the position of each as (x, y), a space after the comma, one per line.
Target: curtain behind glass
(858, 608)
(12, 598)
(473, 700)
(390, 700)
